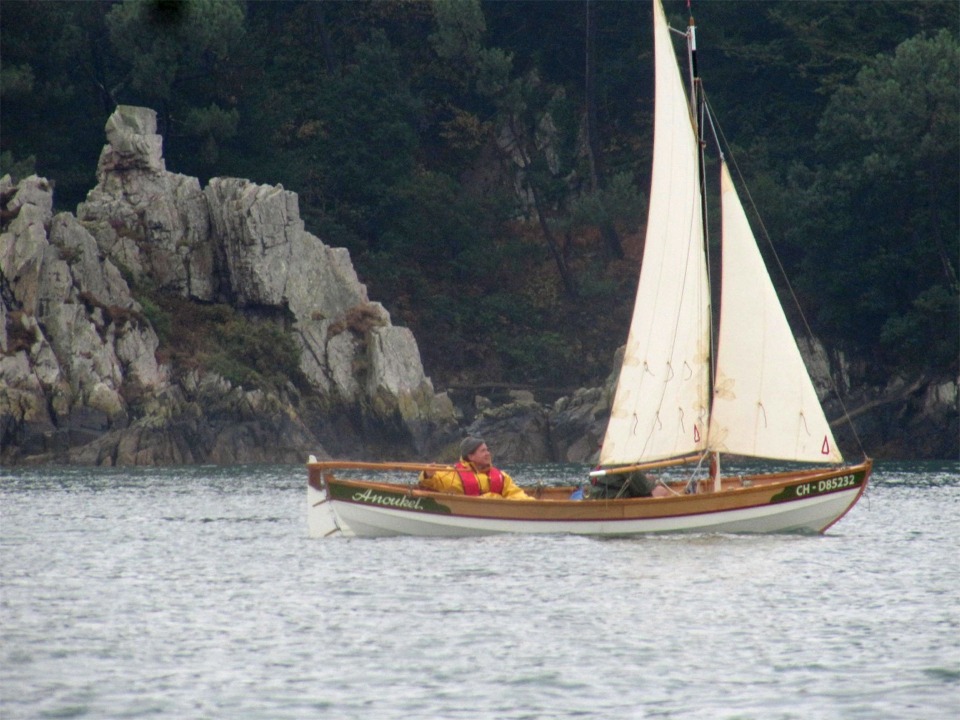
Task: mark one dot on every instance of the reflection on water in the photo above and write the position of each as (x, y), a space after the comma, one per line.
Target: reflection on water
(195, 593)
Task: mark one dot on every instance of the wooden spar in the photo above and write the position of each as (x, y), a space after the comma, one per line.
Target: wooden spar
(351, 465)
(696, 91)
(647, 466)
(433, 467)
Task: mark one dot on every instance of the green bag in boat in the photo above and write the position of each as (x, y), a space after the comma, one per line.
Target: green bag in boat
(628, 485)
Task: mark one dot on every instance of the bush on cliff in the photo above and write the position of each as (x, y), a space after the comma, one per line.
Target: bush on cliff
(248, 350)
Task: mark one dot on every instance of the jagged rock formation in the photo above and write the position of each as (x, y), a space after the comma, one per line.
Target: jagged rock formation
(79, 375)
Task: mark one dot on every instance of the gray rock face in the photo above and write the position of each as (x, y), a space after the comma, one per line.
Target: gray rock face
(79, 375)
(350, 351)
(568, 431)
(153, 223)
(75, 339)
(518, 431)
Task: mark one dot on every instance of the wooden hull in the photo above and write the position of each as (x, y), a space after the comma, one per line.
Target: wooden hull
(809, 501)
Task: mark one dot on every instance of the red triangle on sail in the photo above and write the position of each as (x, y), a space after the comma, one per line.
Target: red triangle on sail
(825, 448)
(696, 433)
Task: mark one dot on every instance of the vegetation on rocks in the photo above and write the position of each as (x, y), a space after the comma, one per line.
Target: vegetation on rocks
(248, 351)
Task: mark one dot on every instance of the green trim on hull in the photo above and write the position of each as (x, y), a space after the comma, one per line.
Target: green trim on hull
(824, 486)
(385, 498)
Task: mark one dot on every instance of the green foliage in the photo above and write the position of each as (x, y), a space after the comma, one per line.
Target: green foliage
(881, 230)
(620, 202)
(15, 80)
(160, 319)
(54, 67)
(254, 352)
(177, 57)
(168, 44)
(345, 140)
(926, 334)
(460, 26)
(211, 126)
(16, 167)
(458, 43)
(367, 141)
(549, 352)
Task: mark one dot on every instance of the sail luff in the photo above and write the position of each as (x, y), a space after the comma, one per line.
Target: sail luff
(660, 406)
(764, 403)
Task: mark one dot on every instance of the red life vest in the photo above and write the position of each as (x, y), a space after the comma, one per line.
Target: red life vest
(471, 486)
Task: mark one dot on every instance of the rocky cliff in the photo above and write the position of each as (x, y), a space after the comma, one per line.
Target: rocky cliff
(82, 372)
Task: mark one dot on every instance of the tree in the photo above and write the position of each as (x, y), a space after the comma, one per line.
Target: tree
(531, 125)
(591, 124)
(177, 57)
(55, 80)
(882, 229)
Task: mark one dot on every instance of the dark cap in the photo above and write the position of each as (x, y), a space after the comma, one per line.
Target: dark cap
(469, 445)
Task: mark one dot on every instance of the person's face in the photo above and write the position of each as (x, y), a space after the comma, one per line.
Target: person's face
(481, 457)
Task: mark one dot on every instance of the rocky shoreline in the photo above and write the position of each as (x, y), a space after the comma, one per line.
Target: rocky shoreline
(83, 378)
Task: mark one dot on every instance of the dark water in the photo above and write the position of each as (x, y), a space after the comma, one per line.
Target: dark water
(195, 593)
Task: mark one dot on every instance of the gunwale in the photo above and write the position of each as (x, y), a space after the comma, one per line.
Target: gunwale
(755, 493)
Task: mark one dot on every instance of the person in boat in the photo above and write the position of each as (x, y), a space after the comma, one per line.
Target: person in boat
(474, 475)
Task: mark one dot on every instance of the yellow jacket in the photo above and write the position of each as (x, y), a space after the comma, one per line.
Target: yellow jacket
(448, 481)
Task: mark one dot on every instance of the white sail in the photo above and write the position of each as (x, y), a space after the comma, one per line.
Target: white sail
(764, 403)
(661, 401)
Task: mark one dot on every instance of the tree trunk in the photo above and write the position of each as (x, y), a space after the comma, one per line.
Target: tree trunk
(608, 232)
(590, 81)
(320, 21)
(569, 284)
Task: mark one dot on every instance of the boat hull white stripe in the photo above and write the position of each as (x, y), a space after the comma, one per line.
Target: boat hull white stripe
(811, 514)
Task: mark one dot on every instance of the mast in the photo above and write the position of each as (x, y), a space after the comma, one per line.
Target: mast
(696, 100)
(697, 110)
(694, 73)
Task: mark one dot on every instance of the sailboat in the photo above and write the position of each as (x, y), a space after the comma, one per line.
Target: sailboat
(678, 402)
